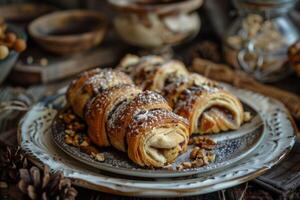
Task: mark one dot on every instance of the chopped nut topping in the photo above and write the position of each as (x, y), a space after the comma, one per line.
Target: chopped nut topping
(68, 118)
(99, 157)
(197, 153)
(74, 135)
(198, 163)
(203, 142)
(201, 154)
(211, 156)
(247, 116)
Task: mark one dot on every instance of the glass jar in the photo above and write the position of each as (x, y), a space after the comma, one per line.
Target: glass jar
(258, 40)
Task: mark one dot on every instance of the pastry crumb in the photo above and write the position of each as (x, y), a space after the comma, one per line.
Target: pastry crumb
(247, 116)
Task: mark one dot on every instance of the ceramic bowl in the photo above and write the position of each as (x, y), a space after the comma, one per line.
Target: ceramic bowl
(156, 25)
(68, 32)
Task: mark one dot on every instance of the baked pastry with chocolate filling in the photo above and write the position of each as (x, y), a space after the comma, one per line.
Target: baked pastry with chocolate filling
(100, 109)
(151, 72)
(125, 113)
(140, 123)
(89, 84)
(207, 106)
(209, 109)
(156, 137)
(176, 85)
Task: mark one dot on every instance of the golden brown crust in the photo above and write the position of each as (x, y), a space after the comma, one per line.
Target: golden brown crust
(151, 72)
(100, 108)
(153, 77)
(76, 84)
(91, 84)
(209, 109)
(150, 136)
(124, 114)
(176, 85)
(111, 106)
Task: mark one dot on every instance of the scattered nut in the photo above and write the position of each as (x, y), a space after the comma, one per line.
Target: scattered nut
(70, 132)
(69, 139)
(99, 157)
(3, 52)
(68, 118)
(197, 153)
(10, 38)
(20, 45)
(44, 61)
(198, 163)
(211, 156)
(74, 136)
(203, 142)
(247, 116)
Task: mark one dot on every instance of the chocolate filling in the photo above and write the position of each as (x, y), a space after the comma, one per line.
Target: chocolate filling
(226, 113)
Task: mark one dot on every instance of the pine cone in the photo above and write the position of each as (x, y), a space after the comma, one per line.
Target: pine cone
(35, 184)
(11, 160)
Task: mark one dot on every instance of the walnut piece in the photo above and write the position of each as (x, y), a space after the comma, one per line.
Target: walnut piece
(203, 142)
(74, 135)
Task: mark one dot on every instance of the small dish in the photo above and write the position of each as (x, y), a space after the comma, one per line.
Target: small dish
(68, 32)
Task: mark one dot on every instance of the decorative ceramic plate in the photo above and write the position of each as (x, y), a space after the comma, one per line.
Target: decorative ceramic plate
(279, 137)
(231, 147)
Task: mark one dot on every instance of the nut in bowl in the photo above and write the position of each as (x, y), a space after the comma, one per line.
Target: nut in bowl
(156, 24)
(12, 42)
(68, 32)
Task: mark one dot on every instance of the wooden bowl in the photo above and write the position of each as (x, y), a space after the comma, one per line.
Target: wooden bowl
(68, 32)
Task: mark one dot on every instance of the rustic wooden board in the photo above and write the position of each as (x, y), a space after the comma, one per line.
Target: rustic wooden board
(60, 67)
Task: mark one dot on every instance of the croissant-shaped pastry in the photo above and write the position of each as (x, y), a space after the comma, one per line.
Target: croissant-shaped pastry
(77, 83)
(134, 121)
(119, 114)
(151, 72)
(175, 85)
(124, 114)
(88, 84)
(100, 108)
(156, 137)
(209, 109)
(130, 64)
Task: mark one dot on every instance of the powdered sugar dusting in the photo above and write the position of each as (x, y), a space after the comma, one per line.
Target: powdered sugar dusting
(154, 118)
(106, 78)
